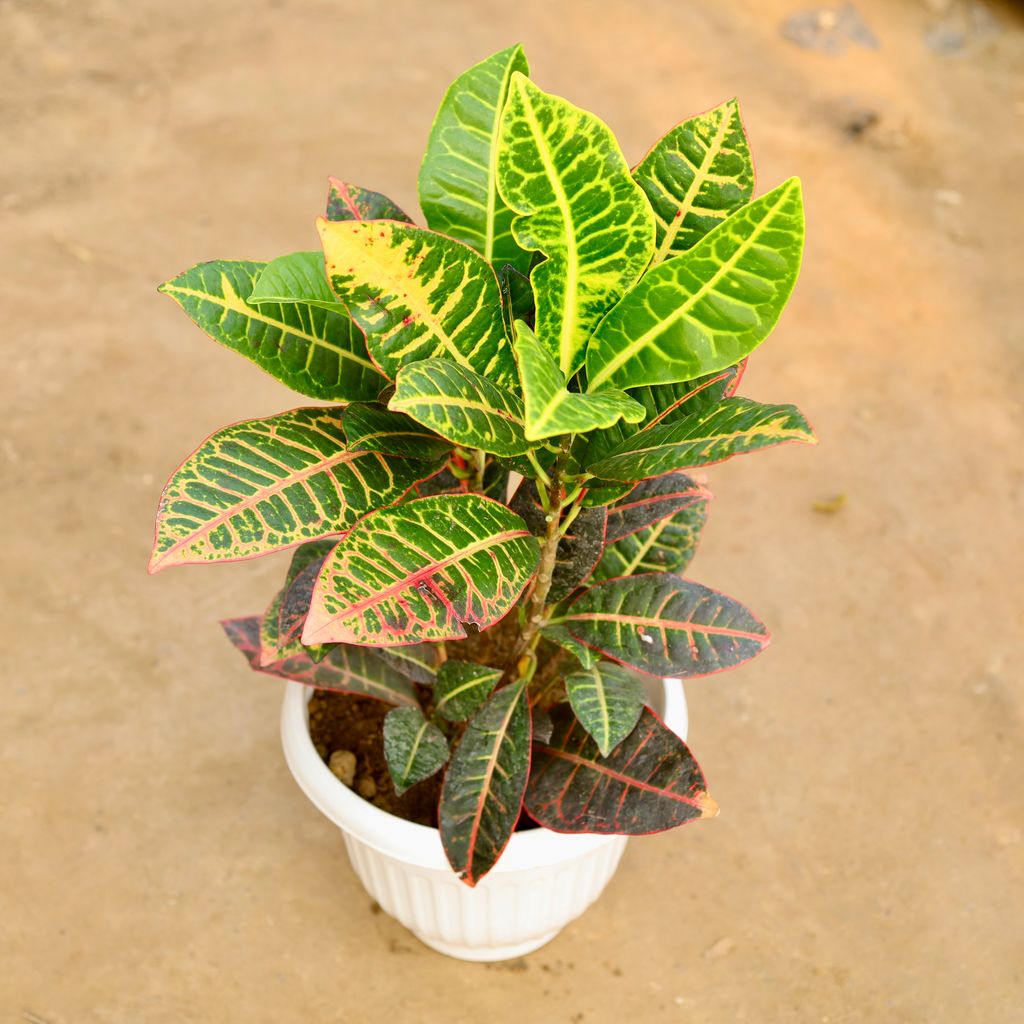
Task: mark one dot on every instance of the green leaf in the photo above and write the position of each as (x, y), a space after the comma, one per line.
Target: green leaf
(666, 403)
(346, 201)
(417, 294)
(312, 350)
(561, 169)
(419, 571)
(607, 700)
(461, 688)
(711, 306)
(483, 787)
(282, 621)
(458, 178)
(263, 485)
(462, 406)
(578, 551)
(344, 670)
(734, 426)
(413, 747)
(665, 626)
(653, 501)
(560, 635)
(371, 428)
(298, 277)
(551, 409)
(695, 176)
(649, 783)
(418, 662)
(666, 546)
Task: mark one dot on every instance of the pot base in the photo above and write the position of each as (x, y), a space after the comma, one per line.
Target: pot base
(489, 954)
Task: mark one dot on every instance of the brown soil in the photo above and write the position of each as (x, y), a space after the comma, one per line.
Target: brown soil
(344, 721)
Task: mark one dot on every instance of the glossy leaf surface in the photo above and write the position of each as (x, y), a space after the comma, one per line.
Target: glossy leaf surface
(263, 485)
(458, 185)
(561, 170)
(649, 783)
(666, 626)
(734, 426)
(550, 408)
(373, 428)
(298, 277)
(462, 406)
(607, 700)
(419, 571)
(316, 352)
(413, 747)
(483, 787)
(710, 307)
(417, 294)
(665, 546)
(695, 176)
(344, 670)
(461, 688)
(346, 201)
(280, 628)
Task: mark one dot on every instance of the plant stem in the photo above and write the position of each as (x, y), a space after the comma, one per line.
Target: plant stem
(549, 551)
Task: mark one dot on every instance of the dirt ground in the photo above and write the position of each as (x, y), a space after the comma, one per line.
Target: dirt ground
(868, 864)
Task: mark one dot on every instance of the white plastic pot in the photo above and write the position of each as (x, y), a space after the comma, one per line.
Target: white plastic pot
(543, 880)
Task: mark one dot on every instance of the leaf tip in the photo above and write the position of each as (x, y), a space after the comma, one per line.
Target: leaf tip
(706, 804)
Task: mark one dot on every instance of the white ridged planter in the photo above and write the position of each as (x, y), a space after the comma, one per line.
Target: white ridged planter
(543, 880)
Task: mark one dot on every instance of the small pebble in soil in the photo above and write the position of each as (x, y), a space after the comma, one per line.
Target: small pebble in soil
(343, 765)
(366, 787)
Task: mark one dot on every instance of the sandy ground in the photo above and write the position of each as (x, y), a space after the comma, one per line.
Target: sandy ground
(158, 863)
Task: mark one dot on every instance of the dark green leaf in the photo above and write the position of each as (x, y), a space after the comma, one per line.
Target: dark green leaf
(310, 349)
(413, 747)
(649, 783)
(607, 700)
(665, 626)
(346, 201)
(462, 687)
(372, 428)
(484, 785)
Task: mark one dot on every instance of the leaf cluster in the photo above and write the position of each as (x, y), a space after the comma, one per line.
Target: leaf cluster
(492, 515)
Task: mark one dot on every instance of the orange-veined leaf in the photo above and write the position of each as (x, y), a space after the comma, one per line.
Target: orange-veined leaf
(420, 571)
(267, 484)
(649, 783)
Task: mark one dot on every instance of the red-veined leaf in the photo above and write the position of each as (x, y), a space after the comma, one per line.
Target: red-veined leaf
(651, 501)
(649, 783)
(346, 201)
(483, 787)
(344, 670)
(665, 626)
(268, 484)
(419, 571)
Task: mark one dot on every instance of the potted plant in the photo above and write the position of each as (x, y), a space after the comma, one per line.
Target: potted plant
(491, 516)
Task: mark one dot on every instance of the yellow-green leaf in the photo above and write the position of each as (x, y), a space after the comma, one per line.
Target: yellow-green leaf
(458, 178)
(708, 308)
(695, 176)
(462, 406)
(551, 409)
(562, 171)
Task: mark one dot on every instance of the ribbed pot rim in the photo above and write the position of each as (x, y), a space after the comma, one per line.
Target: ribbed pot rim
(420, 844)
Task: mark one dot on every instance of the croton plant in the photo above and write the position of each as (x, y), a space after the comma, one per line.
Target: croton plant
(491, 514)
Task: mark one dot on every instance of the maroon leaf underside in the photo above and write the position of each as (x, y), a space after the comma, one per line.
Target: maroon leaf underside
(332, 673)
(649, 783)
(650, 502)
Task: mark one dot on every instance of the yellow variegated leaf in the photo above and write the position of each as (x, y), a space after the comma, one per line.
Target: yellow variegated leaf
(561, 169)
(418, 295)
